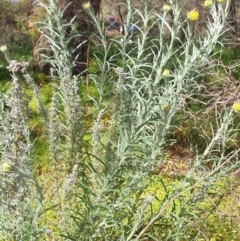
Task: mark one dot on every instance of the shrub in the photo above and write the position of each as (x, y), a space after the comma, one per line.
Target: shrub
(100, 182)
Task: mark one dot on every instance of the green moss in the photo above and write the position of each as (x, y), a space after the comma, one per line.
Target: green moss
(93, 66)
(33, 106)
(46, 93)
(41, 151)
(213, 217)
(220, 229)
(41, 78)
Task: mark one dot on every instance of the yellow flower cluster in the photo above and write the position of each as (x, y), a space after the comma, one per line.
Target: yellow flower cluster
(3, 48)
(166, 7)
(193, 15)
(6, 167)
(166, 72)
(86, 5)
(165, 107)
(220, 1)
(207, 3)
(236, 107)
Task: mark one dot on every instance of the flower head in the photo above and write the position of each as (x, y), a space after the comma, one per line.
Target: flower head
(15, 66)
(166, 7)
(86, 5)
(207, 3)
(220, 1)
(236, 107)
(193, 15)
(6, 167)
(166, 72)
(3, 48)
(165, 107)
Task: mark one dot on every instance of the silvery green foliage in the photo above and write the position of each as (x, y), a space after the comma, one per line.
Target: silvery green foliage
(66, 102)
(21, 195)
(105, 191)
(59, 36)
(152, 87)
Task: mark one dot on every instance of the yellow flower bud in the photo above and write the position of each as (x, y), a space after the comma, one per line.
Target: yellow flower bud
(6, 167)
(3, 48)
(236, 107)
(207, 3)
(165, 107)
(86, 5)
(166, 7)
(166, 72)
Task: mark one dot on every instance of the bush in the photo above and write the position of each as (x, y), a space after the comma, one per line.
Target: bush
(100, 183)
